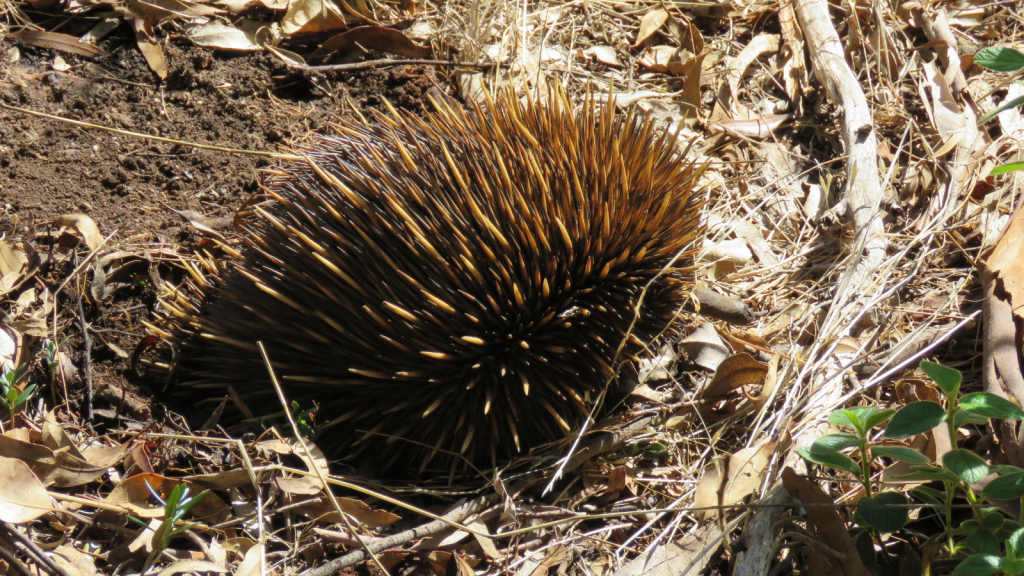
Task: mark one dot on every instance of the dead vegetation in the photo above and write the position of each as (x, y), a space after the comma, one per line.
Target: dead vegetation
(852, 222)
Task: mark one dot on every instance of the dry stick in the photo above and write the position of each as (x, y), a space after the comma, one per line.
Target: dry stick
(13, 560)
(86, 360)
(275, 155)
(32, 550)
(316, 469)
(368, 64)
(606, 442)
(862, 196)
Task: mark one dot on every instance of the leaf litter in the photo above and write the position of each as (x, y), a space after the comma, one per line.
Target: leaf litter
(717, 427)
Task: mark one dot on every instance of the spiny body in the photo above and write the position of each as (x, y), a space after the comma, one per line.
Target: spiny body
(455, 287)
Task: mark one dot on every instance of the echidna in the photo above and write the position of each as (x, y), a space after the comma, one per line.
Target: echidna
(454, 287)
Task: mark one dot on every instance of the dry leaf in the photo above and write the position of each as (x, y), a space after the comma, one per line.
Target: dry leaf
(150, 49)
(704, 347)
(156, 11)
(321, 510)
(745, 470)
(286, 56)
(57, 41)
(183, 566)
(1005, 262)
(224, 480)
(758, 128)
(604, 54)
(54, 437)
(373, 38)
(690, 98)
(709, 487)
(216, 34)
(74, 562)
(734, 249)
(826, 524)
(10, 346)
(651, 23)
(688, 555)
(60, 65)
(250, 565)
(22, 496)
(658, 58)
(735, 371)
(301, 486)
(14, 264)
(946, 115)
(312, 16)
(133, 494)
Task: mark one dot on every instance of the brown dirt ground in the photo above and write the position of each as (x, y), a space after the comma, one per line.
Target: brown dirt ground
(127, 184)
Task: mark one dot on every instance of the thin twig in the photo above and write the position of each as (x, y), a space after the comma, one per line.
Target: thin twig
(276, 155)
(316, 469)
(14, 561)
(32, 550)
(370, 64)
(87, 359)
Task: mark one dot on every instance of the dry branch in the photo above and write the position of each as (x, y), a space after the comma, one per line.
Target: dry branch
(861, 199)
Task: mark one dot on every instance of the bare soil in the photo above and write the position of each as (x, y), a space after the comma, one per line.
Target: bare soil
(137, 187)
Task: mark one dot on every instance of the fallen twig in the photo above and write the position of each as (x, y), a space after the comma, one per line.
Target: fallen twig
(383, 63)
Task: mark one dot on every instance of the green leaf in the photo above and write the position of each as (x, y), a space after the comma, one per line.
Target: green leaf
(979, 565)
(915, 418)
(1000, 59)
(928, 495)
(982, 542)
(865, 546)
(947, 378)
(963, 417)
(1011, 167)
(878, 418)
(967, 526)
(965, 464)
(900, 453)
(993, 521)
(886, 512)
(928, 473)
(835, 443)
(1008, 528)
(854, 418)
(1002, 107)
(1005, 487)
(1015, 544)
(831, 460)
(842, 417)
(992, 406)
(1012, 566)
(1003, 469)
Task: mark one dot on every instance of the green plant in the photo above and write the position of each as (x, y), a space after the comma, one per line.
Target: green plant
(958, 471)
(11, 396)
(177, 504)
(1001, 59)
(51, 361)
(303, 420)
